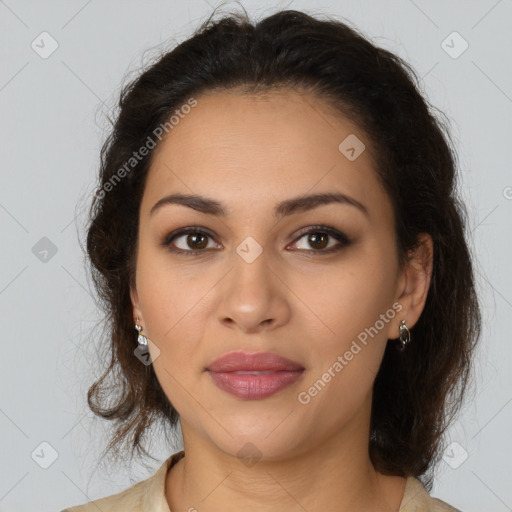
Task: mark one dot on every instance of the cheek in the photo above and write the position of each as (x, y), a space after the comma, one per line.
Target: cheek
(346, 358)
(345, 300)
(173, 301)
(171, 312)
(348, 354)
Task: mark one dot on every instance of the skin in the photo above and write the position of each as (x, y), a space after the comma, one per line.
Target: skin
(249, 153)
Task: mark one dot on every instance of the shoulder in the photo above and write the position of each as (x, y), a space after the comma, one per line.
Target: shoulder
(417, 499)
(129, 500)
(145, 496)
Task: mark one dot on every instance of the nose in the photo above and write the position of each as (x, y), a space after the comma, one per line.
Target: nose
(253, 297)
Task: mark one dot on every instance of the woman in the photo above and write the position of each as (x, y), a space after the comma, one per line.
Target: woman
(281, 254)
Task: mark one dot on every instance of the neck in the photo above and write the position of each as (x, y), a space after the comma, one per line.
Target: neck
(338, 470)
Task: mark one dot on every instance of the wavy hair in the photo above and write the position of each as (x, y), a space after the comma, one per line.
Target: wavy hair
(416, 393)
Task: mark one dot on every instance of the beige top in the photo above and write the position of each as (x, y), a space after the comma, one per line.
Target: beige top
(149, 496)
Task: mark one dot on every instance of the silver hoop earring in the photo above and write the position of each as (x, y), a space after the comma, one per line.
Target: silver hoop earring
(404, 335)
(141, 338)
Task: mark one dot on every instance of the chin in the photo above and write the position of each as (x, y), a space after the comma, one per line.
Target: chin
(261, 436)
(250, 449)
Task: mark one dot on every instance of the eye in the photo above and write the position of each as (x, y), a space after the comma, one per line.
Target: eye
(189, 241)
(193, 240)
(322, 239)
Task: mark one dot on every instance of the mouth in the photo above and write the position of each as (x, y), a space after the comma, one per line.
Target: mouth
(254, 376)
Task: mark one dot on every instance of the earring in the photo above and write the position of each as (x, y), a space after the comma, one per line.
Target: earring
(141, 338)
(404, 335)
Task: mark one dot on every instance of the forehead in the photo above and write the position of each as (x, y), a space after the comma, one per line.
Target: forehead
(243, 148)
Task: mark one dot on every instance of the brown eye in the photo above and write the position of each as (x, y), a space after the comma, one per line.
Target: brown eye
(318, 240)
(189, 241)
(197, 241)
(322, 239)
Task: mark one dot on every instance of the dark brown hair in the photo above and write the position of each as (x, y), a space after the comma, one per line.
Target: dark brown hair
(416, 392)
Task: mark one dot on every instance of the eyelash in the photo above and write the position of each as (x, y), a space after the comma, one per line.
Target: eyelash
(334, 233)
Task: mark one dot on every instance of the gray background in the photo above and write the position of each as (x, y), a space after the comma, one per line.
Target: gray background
(53, 121)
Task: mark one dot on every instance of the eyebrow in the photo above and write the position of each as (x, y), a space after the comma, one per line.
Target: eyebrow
(288, 207)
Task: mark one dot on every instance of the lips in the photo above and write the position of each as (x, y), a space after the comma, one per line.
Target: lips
(260, 361)
(254, 376)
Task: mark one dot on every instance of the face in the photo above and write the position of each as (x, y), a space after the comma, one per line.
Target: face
(309, 281)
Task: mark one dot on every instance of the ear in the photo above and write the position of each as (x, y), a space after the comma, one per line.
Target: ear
(134, 297)
(413, 285)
